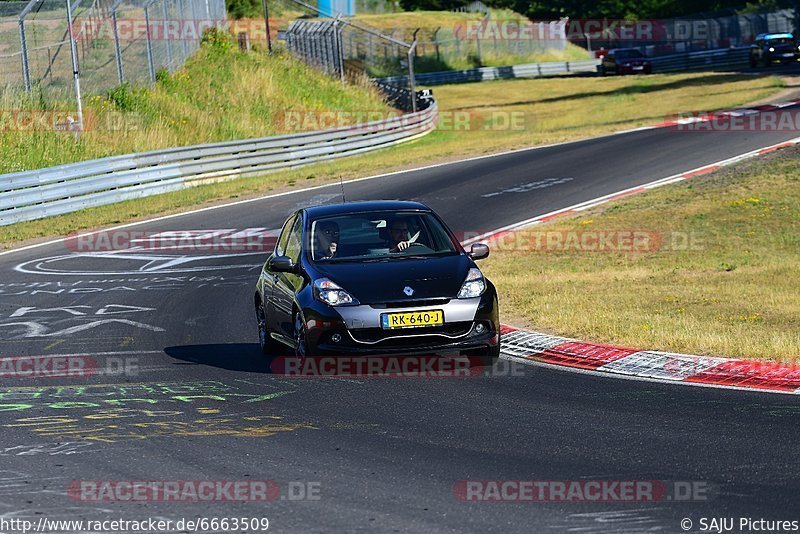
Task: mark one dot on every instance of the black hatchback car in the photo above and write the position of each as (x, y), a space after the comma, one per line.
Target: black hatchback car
(624, 61)
(375, 278)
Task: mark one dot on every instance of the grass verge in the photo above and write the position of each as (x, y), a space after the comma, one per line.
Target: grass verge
(220, 94)
(551, 110)
(719, 276)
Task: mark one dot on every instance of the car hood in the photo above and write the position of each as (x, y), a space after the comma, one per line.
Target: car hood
(385, 281)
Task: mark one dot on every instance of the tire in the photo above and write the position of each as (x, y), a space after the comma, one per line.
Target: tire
(269, 347)
(491, 357)
(753, 62)
(301, 343)
(601, 70)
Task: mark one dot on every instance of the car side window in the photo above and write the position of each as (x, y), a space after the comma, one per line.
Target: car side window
(295, 240)
(280, 246)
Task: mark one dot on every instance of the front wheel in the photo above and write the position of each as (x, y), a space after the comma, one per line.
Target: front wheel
(268, 345)
(301, 342)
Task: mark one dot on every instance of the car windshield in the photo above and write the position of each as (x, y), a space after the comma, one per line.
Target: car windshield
(781, 41)
(627, 54)
(378, 236)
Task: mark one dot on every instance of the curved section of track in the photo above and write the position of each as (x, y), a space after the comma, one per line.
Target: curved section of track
(181, 393)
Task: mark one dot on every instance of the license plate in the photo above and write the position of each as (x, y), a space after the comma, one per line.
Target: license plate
(415, 319)
(638, 68)
(788, 55)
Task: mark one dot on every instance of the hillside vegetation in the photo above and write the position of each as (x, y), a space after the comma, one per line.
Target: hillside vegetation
(221, 94)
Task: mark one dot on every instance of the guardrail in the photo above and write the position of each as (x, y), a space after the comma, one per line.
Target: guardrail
(708, 59)
(528, 70)
(36, 194)
(723, 58)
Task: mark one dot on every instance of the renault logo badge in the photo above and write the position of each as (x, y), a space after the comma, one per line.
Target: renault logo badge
(408, 291)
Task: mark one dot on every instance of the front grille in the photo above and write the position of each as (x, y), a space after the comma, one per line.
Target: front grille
(411, 336)
(409, 304)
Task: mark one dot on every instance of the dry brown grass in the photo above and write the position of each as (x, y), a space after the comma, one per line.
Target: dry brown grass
(735, 293)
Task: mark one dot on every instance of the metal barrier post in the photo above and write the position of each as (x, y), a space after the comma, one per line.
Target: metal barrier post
(412, 83)
(266, 24)
(26, 72)
(150, 65)
(165, 34)
(75, 66)
(117, 49)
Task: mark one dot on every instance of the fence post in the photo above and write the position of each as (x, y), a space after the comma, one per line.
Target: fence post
(117, 49)
(181, 17)
(26, 72)
(339, 47)
(75, 68)
(265, 8)
(412, 83)
(436, 42)
(165, 34)
(150, 65)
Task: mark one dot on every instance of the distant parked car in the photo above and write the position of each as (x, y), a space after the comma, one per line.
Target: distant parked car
(769, 48)
(625, 61)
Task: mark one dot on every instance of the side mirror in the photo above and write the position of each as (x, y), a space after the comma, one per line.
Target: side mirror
(281, 264)
(478, 251)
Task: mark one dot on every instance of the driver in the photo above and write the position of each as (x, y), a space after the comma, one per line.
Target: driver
(398, 235)
(327, 239)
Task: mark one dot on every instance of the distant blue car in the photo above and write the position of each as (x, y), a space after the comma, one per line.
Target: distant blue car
(769, 48)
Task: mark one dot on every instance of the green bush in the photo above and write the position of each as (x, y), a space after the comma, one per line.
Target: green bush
(217, 39)
(240, 9)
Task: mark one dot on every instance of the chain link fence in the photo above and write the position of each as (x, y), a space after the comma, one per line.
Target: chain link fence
(671, 36)
(349, 50)
(321, 38)
(53, 48)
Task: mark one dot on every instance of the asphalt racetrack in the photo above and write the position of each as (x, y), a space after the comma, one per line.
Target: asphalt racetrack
(182, 393)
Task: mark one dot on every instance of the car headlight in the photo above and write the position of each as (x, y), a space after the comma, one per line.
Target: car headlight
(473, 286)
(771, 49)
(332, 294)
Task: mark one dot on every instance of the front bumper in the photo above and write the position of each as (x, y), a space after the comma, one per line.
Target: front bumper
(782, 57)
(471, 328)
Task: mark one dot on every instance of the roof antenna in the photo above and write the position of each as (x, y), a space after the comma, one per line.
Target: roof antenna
(341, 183)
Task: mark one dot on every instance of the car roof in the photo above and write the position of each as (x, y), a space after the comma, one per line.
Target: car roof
(775, 36)
(624, 50)
(344, 208)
